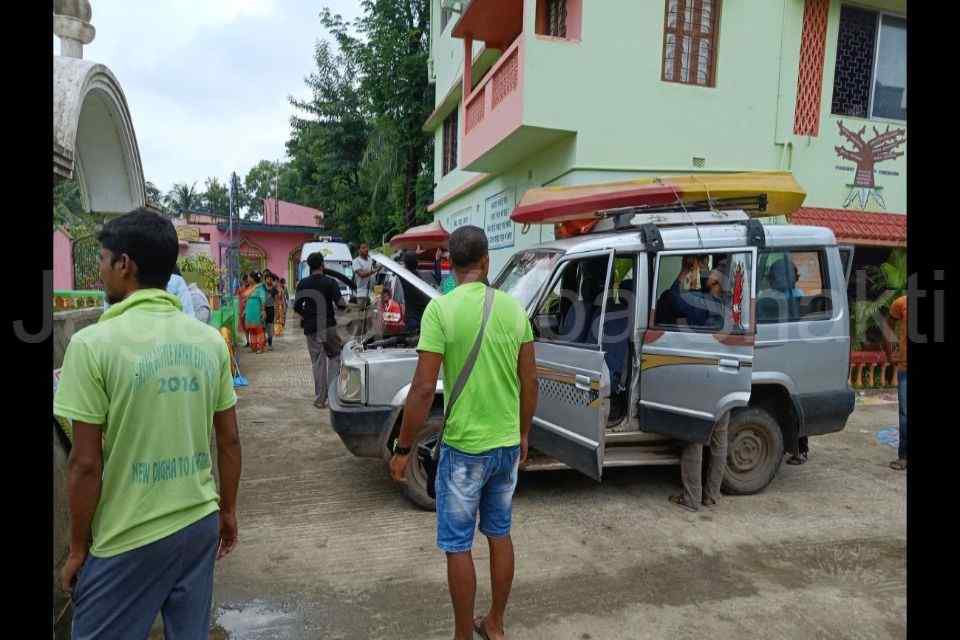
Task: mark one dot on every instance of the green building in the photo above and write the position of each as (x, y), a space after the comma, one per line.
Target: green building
(568, 92)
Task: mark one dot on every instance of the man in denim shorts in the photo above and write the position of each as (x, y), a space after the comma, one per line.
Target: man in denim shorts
(485, 437)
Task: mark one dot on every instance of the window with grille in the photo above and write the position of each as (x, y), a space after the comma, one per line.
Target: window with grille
(450, 143)
(552, 19)
(557, 18)
(870, 78)
(690, 34)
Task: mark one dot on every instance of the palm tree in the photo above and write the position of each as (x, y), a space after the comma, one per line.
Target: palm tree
(182, 198)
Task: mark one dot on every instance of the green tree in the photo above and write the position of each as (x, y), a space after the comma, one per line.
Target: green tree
(182, 198)
(69, 212)
(215, 197)
(390, 52)
(263, 181)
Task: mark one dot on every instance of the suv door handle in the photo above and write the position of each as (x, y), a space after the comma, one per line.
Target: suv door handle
(582, 382)
(729, 364)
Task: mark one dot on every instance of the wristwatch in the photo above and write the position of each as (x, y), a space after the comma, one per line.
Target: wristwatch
(398, 450)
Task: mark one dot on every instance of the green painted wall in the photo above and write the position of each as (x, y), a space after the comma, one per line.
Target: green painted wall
(630, 123)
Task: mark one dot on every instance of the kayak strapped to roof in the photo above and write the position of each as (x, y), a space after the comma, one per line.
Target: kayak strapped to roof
(760, 193)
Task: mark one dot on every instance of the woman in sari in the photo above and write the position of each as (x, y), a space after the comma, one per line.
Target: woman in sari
(243, 292)
(254, 314)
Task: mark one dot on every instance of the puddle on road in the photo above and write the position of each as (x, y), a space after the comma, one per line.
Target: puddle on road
(259, 620)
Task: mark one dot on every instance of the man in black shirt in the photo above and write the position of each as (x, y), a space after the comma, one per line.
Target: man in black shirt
(414, 302)
(317, 294)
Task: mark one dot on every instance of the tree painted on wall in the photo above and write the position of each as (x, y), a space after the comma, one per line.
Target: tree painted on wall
(866, 154)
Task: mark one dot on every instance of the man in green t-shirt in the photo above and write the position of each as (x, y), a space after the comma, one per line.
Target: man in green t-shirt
(145, 388)
(485, 438)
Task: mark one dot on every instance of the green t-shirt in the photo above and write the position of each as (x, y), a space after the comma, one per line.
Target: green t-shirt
(153, 377)
(487, 413)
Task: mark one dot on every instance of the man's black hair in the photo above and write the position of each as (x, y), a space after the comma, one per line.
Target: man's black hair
(283, 281)
(315, 261)
(410, 260)
(256, 277)
(149, 240)
(468, 245)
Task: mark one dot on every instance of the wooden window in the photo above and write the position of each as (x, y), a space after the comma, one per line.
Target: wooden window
(690, 32)
(450, 143)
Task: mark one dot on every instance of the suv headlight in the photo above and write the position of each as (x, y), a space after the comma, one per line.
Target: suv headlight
(350, 384)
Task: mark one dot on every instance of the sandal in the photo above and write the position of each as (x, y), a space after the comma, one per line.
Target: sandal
(682, 502)
(795, 460)
(899, 465)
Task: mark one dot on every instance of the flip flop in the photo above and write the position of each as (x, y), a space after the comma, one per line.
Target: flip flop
(680, 501)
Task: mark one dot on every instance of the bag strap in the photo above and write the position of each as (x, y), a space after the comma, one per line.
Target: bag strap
(468, 364)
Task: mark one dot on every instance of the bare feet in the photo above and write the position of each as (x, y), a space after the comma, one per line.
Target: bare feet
(487, 630)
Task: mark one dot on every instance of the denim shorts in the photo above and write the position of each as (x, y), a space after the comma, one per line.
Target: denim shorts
(471, 483)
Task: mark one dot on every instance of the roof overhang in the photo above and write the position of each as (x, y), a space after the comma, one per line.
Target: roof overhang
(272, 228)
(496, 22)
(860, 228)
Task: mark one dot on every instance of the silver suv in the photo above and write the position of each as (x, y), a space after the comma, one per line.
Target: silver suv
(647, 329)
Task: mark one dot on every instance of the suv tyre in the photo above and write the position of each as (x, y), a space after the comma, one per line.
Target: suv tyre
(415, 488)
(754, 452)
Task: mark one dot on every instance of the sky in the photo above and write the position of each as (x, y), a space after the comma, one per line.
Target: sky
(207, 81)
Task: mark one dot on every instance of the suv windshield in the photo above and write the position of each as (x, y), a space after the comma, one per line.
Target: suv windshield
(525, 273)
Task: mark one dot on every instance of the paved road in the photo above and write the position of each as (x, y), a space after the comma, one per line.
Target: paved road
(329, 549)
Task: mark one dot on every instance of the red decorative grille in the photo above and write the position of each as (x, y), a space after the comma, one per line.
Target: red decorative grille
(475, 111)
(806, 119)
(506, 79)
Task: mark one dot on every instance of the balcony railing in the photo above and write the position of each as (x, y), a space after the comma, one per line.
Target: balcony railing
(495, 107)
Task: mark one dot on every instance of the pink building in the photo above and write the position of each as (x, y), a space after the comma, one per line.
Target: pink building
(273, 244)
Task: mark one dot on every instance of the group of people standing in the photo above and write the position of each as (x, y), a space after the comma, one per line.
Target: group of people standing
(263, 308)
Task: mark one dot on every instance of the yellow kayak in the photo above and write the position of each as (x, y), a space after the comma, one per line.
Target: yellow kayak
(548, 205)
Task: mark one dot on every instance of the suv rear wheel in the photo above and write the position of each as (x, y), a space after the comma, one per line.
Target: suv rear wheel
(415, 489)
(754, 452)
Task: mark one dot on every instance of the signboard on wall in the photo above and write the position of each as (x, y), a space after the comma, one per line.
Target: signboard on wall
(188, 233)
(497, 223)
(460, 218)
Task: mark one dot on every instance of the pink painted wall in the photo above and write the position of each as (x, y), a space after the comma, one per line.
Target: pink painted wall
(574, 19)
(291, 214)
(62, 261)
(497, 122)
(277, 246)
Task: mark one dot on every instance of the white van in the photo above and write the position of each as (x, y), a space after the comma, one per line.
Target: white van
(336, 258)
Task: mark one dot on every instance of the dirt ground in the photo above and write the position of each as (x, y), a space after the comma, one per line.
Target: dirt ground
(330, 549)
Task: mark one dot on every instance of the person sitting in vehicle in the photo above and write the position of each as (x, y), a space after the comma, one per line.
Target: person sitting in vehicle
(780, 300)
(702, 309)
(414, 301)
(580, 315)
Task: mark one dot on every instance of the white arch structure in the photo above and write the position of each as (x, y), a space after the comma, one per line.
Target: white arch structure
(94, 140)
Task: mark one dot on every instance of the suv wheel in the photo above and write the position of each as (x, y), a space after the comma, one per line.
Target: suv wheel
(415, 489)
(754, 451)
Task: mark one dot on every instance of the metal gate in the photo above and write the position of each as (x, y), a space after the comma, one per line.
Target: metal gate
(86, 263)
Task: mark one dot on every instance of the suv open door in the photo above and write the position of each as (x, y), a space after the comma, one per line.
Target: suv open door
(574, 381)
(698, 346)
